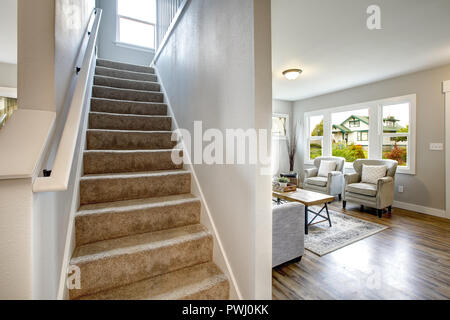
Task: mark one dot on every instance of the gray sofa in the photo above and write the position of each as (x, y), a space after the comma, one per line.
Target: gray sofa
(288, 233)
(379, 196)
(332, 185)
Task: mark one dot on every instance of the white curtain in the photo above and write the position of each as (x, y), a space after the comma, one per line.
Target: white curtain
(280, 156)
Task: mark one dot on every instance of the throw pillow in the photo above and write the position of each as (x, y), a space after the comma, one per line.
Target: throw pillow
(371, 174)
(326, 167)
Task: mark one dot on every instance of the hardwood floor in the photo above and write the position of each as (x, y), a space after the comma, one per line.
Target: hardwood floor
(410, 260)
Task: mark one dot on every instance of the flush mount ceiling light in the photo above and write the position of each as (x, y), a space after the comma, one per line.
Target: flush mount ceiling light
(292, 74)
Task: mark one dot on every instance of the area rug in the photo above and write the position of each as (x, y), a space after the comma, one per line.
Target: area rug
(346, 230)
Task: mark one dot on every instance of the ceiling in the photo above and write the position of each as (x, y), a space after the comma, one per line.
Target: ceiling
(8, 31)
(330, 41)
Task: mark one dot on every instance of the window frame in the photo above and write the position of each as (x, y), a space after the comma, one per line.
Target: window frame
(309, 137)
(286, 116)
(375, 134)
(359, 136)
(120, 43)
(354, 122)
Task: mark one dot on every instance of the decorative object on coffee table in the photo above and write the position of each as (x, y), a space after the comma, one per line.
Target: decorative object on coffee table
(283, 182)
(308, 199)
(292, 176)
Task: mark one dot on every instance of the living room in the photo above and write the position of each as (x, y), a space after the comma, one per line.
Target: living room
(358, 147)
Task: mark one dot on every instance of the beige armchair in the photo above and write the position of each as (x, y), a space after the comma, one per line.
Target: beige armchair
(332, 185)
(379, 196)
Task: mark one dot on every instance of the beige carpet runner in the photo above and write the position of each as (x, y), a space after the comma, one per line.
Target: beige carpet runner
(138, 231)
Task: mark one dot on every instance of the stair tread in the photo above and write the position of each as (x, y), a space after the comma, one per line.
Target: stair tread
(130, 71)
(130, 131)
(131, 205)
(125, 80)
(133, 151)
(124, 64)
(127, 90)
(131, 115)
(170, 286)
(130, 101)
(131, 175)
(137, 243)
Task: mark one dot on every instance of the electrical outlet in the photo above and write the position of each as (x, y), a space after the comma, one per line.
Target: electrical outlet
(400, 189)
(436, 146)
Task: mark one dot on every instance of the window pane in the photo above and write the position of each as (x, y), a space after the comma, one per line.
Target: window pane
(144, 10)
(316, 126)
(279, 126)
(350, 134)
(396, 148)
(396, 118)
(137, 33)
(315, 148)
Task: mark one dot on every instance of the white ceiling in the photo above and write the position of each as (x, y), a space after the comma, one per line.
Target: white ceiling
(8, 31)
(330, 41)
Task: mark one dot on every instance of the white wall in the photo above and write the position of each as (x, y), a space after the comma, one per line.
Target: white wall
(427, 187)
(34, 226)
(8, 75)
(8, 31)
(216, 68)
(52, 210)
(279, 146)
(107, 49)
(16, 239)
(36, 55)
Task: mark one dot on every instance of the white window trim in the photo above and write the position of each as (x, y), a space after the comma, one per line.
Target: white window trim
(288, 124)
(375, 108)
(130, 45)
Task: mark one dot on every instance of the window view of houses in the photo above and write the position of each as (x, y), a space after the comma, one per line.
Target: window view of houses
(7, 107)
(350, 134)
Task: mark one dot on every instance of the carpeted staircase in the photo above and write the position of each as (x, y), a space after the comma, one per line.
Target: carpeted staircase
(138, 231)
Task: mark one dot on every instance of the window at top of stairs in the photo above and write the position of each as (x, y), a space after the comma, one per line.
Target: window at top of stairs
(136, 21)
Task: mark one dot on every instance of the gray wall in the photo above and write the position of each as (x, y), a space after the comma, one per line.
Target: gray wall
(427, 187)
(8, 75)
(216, 67)
(107, 49)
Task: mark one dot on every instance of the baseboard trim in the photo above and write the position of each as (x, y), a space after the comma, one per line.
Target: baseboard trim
(420, 209)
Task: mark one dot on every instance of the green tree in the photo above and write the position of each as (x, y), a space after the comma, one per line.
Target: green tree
(401, 130)
(318, 130)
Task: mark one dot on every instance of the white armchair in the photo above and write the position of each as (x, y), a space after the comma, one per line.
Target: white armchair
(332, 185)
(380, 195)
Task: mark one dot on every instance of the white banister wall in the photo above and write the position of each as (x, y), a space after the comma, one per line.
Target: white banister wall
(222, 77)
(34, 225)
(56, 197)
(59, 179)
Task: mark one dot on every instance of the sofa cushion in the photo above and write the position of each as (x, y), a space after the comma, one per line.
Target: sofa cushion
(366, 189)
(326, 167)
(371, 174)
(317, 181)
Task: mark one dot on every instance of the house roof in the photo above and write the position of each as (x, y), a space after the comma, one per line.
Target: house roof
(361, 118)
(342, 128)
(365, 119)
(391, 118)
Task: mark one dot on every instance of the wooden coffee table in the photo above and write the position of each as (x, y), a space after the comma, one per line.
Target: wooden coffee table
(308, 199)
